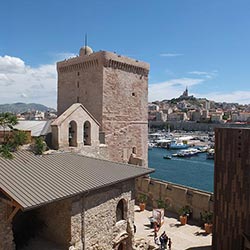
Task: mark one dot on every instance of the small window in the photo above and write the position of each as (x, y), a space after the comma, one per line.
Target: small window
(77, 84)
(120, 210)
(134, 150)
(87, 133)
(78, 73)
(77, 99)
(133, 94)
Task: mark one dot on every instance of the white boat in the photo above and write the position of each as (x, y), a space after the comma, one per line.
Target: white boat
(210, 154)
(203, 149)
(177, 145)
(151, 145)
(188, 152)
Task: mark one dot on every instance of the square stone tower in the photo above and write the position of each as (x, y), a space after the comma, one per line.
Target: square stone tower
(114, 89)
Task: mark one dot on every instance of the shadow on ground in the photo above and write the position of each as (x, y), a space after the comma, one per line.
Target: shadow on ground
(200, 248)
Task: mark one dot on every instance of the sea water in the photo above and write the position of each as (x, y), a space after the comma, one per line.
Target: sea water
(195, 171)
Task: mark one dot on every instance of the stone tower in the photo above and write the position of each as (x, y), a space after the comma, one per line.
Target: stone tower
(114, 89)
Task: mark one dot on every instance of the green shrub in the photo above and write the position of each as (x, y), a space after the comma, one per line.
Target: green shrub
(207, 217)
(161, 204)
(185, 211)
(143, 198)
(39, 146)
(5, 151)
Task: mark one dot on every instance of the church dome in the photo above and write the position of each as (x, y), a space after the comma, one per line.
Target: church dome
(85, 51)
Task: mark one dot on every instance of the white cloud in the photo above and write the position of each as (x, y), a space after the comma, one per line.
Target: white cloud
(10, 64)
(172, 88)
(170, 54)
(242, 97)
(205, 74)
(5, 80)
(19, 81)
(64, 55)
(23, 95)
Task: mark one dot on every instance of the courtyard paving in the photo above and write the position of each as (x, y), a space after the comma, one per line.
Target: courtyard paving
(184, 237)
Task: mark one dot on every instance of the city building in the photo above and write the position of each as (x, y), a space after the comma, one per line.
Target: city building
(241, 117)
(161, 116)
(153, 107)
(231, 229)
(177, 116)
(185, 93)
(196, 115)
(216, 117)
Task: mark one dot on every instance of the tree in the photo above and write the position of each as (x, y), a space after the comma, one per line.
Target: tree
(7, 120)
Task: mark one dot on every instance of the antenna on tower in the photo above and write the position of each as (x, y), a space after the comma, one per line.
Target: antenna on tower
(86, 43)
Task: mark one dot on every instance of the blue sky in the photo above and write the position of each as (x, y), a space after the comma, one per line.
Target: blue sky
(204, 45)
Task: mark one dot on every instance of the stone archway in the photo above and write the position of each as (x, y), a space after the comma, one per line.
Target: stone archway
(121, 246)
(72, 134)
(87, 133)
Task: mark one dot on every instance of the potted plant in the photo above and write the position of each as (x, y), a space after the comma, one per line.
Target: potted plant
(160, 203)
(207, 218)
(184, 212)
(142, 201)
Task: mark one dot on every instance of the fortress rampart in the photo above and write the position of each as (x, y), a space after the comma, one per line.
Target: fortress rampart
(174, 196)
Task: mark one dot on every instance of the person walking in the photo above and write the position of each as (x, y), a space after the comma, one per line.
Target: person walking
(169, 244)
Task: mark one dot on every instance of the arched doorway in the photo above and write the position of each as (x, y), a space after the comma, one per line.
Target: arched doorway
(87, 133)
(121, 210)
(121, 246)
(72, 134)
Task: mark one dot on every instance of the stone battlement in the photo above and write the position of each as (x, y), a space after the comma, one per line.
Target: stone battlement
(105, 59)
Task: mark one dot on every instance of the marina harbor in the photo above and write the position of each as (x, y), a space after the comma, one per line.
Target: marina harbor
(192, 166)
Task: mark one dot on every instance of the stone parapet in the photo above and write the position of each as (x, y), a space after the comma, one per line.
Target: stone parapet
(174, 196)
(106, 59)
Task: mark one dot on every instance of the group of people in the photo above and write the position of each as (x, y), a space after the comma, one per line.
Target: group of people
(164, 241)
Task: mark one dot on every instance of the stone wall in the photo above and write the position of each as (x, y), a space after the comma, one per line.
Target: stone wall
(125, 114)
(79, 115)
(57, 218)
(114, 90)
(85, 83)
(6, 234)
(175, 196)
(101, 230)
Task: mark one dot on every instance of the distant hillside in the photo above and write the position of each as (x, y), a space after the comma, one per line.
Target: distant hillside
(20, 107)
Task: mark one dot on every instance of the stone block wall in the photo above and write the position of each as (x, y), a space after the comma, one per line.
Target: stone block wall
(57, 218)
(114, 90)
(124, 118)
(60, 129)
(6, 234)
(175, 196)
(101, 230)
(81, 84)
